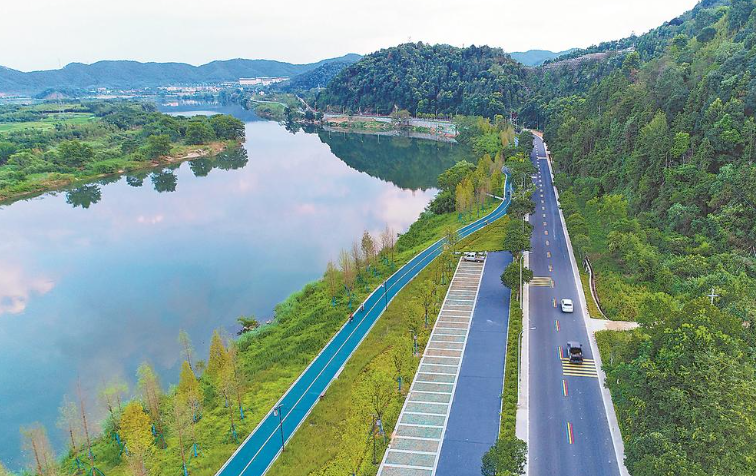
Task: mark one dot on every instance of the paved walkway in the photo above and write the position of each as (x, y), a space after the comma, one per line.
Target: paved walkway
(416, 442)
(476, 409)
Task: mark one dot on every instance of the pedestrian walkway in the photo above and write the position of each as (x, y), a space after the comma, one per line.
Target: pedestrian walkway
(416, 442)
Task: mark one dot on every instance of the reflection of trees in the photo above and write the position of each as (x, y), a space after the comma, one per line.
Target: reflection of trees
(231, 159)
(201, 167)
(84, 196)
(408, 163)
(164, 181)
(136, 179)
(109, 179)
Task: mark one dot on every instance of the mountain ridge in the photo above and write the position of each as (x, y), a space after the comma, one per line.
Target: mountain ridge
(136, 74)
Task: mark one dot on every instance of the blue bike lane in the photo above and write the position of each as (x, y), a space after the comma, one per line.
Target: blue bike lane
(260, 449)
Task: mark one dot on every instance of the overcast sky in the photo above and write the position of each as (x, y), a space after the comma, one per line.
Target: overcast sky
(45, 34)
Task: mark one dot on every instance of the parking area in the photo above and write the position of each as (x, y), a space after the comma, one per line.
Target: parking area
(416, 443)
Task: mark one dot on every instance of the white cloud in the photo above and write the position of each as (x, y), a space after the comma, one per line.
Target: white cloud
(16, 288)
(51, 33)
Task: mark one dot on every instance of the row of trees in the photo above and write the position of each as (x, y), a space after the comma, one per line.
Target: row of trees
(134, 429)
(362, 258)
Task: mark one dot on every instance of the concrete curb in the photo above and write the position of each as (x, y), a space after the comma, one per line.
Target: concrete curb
(522, 421)
(606, 397)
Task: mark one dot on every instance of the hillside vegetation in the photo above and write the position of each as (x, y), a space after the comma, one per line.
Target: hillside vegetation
(431, 79)
(659, 189)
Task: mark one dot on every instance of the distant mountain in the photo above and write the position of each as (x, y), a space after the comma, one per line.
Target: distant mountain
(133, 74)
(537, 57)
(316, 78)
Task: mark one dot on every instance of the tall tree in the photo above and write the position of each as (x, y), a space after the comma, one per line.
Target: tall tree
(187, 349)
(188, 396)
(70, 423)
(85, 424)
(111, 396)
(332, 280)
(137, 436)
(149, 388)
(367, 245)
(426, 294)
(357, 257)
(217, 358)
(347, 270)
(37, 445)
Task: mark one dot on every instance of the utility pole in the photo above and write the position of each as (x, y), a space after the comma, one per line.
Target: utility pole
(277, 412)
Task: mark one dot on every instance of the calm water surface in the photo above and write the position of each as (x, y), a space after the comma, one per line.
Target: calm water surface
(95, 280)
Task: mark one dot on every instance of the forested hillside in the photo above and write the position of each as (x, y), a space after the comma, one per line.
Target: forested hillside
(658, 185)
(429, 79)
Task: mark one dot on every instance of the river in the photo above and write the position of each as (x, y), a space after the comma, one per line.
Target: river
(97, 279)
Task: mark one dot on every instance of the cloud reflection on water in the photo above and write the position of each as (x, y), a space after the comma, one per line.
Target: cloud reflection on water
(136, 266)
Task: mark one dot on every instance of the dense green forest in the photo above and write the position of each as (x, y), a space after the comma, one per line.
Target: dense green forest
(435, 79)
(51, 145)
(658, 185)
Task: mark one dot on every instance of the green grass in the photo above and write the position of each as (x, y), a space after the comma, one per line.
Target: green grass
(340, 420)
(334, 438)
(512, 371)
(48, 123)
(490, 238)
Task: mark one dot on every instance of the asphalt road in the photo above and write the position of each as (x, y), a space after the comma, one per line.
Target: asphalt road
(568, 427)
(262, 446)
(473, 424)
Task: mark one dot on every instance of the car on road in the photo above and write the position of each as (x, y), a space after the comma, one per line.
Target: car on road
(575, 352)
(567, 305)
(473, 257)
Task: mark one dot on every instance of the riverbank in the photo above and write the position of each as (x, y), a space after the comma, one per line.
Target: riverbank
(53, 181)
(48, 146)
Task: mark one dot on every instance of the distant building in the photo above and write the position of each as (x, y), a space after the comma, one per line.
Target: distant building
(261, 81)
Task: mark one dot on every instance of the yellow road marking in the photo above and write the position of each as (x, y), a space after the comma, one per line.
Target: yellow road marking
(551, 268)
(554, 301)
(548, 254)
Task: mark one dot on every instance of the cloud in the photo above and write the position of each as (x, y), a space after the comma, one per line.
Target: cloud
(16, 288)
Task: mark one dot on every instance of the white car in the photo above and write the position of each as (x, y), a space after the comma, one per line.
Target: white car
(567, 305)
(469, 256)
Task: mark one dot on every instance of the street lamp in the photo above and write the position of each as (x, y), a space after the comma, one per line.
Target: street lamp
(279, 413)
